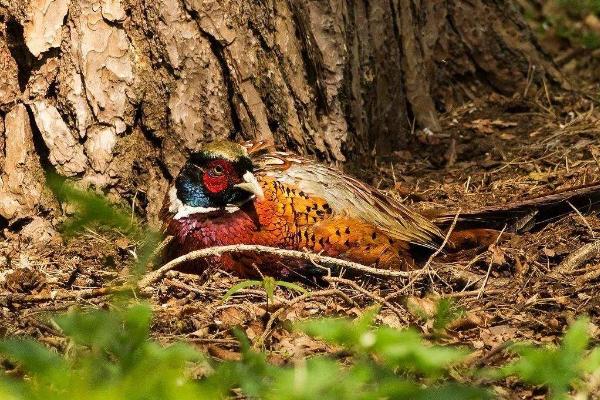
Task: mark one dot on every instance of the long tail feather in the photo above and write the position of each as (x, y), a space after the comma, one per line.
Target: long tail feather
(522, 216)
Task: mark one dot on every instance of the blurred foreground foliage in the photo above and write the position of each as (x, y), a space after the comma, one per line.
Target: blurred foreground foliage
(89, 209)
(109, 354)
(574, 21)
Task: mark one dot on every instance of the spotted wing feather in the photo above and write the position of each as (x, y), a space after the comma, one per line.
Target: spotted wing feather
(349, 197)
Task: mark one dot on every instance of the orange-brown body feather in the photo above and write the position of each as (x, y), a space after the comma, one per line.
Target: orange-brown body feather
(308, 208)
(288, 218)
(303, 205)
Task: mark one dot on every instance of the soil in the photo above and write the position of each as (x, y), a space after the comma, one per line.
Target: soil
(489, 152)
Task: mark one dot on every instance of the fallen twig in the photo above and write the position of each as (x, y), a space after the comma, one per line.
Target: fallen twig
(8, 298)
(426, 268)
(446, 238)
(370, 295)
(578, 258)
(489, 270)
(154, 276)
(160, 248)
(594, 273)
(185, 286)
(479, 362)
(472, 293)
(585, 221)
(320, 293)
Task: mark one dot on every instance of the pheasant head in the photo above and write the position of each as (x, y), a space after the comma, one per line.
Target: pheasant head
(220, 175)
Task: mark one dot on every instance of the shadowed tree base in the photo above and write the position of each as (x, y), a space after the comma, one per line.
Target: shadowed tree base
(116, 95)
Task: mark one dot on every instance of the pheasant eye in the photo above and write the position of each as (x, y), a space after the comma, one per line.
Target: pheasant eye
(218, 170)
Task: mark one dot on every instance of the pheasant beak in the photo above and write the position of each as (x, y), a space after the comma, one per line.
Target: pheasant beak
(251, 185)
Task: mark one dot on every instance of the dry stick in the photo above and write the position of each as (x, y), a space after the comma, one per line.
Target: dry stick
(276, 314)
(493, 351)
(485, 278)
(567, 56)
(585, 221)
(184, 286)
(590, 276)
(161, 246)
(418, 273)
(489, 270)
(154, 276)
(462, 274)
(231, 342)
(469, 293)
(551, 108)
(71, 295)
(261, 293)
(158, 250)
(364, 291)
(446, 238)
(577, 258)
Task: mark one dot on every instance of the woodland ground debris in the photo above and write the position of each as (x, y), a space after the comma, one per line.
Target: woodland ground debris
(492, 150)
(534, 151)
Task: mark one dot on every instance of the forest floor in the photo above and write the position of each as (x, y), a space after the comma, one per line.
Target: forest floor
(491, 151)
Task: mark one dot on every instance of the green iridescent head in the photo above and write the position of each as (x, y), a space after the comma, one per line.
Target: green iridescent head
(224, 149)
(218, 175)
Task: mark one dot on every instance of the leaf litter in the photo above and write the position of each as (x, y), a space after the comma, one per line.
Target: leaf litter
(504, 149)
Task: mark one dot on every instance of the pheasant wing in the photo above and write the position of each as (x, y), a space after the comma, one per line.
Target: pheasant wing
(350, 197)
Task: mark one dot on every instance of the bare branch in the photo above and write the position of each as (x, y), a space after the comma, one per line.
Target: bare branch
(578, 258)
(369, 294)
(310, 295)
(7, 298)
(154, 276)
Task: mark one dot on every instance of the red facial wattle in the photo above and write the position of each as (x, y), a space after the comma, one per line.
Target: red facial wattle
(218, 182)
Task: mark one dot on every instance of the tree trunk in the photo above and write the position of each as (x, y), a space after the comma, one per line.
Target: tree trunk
(116, 93)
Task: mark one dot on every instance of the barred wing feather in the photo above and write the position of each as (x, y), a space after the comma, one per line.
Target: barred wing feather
(348, 196)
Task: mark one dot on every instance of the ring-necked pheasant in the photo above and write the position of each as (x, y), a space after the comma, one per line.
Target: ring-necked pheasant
(230, 193)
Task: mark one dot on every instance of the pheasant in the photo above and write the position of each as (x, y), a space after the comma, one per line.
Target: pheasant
(230, 193)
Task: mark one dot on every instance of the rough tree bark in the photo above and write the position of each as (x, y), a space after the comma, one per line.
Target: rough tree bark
(116, 93)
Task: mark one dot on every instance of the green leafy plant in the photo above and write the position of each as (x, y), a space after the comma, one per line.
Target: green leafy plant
(558, 368)
(109, 354)
(267, 283)
(91, 209)
(109, 357)
(567, 18)
(397, 349)
(384, 363)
